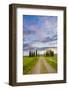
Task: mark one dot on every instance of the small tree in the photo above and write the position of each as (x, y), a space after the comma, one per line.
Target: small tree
(30, 53)
(36, 52)
(52, 53)
(47, 53)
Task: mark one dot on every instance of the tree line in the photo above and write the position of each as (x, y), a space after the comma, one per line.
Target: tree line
(34, 53)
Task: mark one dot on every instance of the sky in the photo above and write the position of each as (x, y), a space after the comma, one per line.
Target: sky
(40, 32)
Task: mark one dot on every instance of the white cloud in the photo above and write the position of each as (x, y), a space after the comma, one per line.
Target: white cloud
(46, 44)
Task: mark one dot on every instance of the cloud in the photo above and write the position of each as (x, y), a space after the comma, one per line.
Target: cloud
(40, 45)
(28, 32)
(40, 31)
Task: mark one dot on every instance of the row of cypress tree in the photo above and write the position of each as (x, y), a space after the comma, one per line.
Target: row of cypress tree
(32, 53)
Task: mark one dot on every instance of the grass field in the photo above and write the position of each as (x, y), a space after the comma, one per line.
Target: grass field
(52, 60)
(28, 63)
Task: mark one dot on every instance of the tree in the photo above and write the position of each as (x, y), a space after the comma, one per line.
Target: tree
(36, 52)
(46, 53)
(30, 53)
(49, 53)
(52, 53)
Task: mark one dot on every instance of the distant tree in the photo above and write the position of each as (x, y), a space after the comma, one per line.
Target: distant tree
(36, 52)
(52, 53)
(49, 53)
(32, 53)
(29, 53)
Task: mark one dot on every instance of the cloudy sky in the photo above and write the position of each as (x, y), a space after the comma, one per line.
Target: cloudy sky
(40, 32)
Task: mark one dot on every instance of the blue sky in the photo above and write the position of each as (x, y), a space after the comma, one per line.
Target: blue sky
(39, 31)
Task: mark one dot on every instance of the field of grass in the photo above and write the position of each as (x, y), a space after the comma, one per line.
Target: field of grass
(52, 60)
(28, 63)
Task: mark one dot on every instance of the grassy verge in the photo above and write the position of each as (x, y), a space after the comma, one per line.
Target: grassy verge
(52, 61)
(28, 64)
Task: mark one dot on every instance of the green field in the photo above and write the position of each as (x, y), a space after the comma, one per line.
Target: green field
(28, 63)
(52, 60)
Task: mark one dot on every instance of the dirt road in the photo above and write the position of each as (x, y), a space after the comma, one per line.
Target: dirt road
(42, 66)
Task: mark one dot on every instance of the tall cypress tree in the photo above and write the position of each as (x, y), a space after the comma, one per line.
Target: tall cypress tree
(30, 53)
(36, 52)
